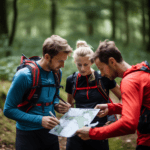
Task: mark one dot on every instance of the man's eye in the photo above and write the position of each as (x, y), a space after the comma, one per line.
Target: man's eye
(85, 64)
(79, 65)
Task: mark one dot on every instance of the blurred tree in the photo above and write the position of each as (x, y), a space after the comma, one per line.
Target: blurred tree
(148, 6)
(3, 18)
(126, 15)
(53, 15)
(143, 20)
(90, 15)
(13, 25)
(91, 10)
(113, 19)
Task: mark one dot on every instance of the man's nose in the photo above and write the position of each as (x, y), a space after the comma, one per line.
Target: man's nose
(82, 68)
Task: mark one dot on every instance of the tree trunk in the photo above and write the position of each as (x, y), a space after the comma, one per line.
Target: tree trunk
(143, 20)
(12, 35)
(3, 18)
(90, 28)
(28, 30)
(126, 7)
(53, 16)
(148, 45)
(113, 20)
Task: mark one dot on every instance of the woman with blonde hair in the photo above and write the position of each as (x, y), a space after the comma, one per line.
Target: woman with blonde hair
(87, 88)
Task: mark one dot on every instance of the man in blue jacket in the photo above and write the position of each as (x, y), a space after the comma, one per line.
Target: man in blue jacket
(32, 128)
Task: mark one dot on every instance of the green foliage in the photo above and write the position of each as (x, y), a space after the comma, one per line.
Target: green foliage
(115, 144)
(133, 53)
(4, 86)
(8, 67)
(4, 48)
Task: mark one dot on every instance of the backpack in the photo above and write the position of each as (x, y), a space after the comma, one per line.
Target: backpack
(144, 120)
(32, 95)
(100, 87)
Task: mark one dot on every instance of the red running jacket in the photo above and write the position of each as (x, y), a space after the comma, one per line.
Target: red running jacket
(135, 90)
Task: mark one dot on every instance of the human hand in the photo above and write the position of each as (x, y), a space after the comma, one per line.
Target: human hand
(103, 110)
(62, 107)
(83, 133)
(49, 122)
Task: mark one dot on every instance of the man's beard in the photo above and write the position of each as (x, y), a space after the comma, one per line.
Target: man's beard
(50, 68)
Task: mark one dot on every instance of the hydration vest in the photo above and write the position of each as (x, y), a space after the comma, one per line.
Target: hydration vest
(32, 95)
(98, 85)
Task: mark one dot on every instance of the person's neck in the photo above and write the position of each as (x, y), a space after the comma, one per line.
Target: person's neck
(91, 71)
(122, 67)
(41, 62)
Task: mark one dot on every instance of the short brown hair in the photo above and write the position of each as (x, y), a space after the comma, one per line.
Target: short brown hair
(55, 44)
(106, 50)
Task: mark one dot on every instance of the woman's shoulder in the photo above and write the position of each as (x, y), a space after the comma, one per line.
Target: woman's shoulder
(71, 77)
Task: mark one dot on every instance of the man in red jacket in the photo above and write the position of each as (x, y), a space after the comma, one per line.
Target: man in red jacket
(135, 89)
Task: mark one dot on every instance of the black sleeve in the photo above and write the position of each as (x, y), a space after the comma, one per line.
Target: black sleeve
(109, 84)
(69, 84)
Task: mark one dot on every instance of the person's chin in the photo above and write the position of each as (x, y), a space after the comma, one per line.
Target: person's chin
(83, 73)
(111, 78)
(56, 69)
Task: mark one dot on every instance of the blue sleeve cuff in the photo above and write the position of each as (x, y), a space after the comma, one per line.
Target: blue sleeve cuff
(56, 101)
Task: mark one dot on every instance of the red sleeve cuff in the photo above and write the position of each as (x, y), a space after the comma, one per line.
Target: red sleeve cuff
(92, 134)
(110, 107)
(114, 108)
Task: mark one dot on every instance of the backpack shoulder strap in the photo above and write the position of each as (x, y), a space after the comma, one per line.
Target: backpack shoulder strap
(102, 91)
(57, 77)
(143, 68)
(74, 83)
(147, 64)
(32, 95)
(100, 86)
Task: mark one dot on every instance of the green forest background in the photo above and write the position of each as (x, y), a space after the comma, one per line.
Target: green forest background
(25, 24)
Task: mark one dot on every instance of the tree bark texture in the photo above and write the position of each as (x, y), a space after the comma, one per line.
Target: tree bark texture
(143, 20)
(90, 22)
(126, 8)
(148, 45)
(3, 18)
(113, 20)
(13, 31)
(53, 16)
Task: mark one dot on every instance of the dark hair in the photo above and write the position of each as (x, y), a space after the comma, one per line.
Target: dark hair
(106, 50)
(55, 44)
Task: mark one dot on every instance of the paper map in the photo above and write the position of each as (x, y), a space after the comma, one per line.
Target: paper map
(73, 120)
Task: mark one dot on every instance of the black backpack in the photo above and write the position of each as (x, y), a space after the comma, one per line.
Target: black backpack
(144, 121)
(32, 95)
(99, 85)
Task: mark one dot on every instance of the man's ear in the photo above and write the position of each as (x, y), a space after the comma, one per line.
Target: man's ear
(47, 57)
(111, 61)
